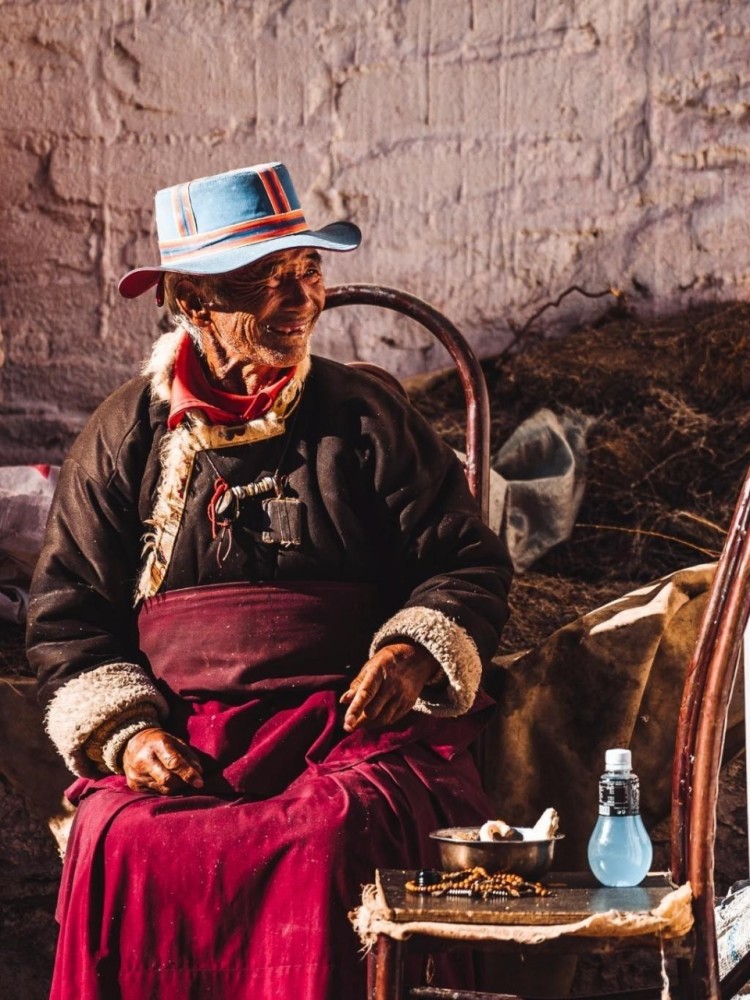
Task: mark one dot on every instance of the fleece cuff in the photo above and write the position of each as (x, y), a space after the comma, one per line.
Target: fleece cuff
(452, 647)
(106, 745)
(102, 697)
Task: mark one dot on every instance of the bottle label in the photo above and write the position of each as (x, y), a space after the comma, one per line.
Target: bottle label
(619, 796)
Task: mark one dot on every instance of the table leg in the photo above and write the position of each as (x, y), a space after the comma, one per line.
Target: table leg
(385, 969)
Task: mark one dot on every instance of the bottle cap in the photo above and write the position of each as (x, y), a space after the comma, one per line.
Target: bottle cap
(617, 760)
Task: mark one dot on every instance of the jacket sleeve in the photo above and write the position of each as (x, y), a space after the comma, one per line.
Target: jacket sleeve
(81, 633)
(451, 572)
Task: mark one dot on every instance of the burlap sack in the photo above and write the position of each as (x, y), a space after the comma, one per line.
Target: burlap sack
(611, 678)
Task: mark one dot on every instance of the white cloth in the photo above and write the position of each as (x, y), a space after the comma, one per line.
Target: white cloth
(25, 498)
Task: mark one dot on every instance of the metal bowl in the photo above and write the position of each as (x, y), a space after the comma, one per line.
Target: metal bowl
(523, 857)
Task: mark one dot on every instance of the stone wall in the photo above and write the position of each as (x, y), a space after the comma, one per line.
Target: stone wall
(495, 152)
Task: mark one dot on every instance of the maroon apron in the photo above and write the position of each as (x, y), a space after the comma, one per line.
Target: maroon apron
(241, 890)
(254, 672)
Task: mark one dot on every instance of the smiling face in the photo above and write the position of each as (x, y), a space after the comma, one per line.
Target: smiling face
(258, 317)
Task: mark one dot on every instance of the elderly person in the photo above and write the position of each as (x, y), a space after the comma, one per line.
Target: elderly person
(259, 622)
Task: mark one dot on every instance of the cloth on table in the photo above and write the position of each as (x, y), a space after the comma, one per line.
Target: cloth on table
(672, 918)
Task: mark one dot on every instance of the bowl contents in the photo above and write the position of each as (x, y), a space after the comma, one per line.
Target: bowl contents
(498, 829)
(545, 828)
(467, 834)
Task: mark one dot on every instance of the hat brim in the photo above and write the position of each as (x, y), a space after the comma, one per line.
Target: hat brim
(337, 236)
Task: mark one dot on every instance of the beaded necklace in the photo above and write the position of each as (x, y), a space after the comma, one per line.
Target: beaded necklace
(474, 882)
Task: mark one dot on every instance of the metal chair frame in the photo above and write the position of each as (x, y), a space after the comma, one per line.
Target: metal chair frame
(468, 368)
(699, 744)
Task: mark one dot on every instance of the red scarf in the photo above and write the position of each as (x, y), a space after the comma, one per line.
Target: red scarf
(192, 390)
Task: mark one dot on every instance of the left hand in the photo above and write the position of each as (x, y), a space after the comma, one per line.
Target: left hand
(388, 685)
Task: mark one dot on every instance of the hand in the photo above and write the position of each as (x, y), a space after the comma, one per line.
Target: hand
(388, 685)
(156, 761)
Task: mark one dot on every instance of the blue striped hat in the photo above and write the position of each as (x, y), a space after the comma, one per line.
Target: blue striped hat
(216, 224)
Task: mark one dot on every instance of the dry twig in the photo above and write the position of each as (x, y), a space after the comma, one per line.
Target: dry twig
(618, 295)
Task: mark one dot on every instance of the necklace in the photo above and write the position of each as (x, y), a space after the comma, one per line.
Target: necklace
(283, 515)
(474, 882)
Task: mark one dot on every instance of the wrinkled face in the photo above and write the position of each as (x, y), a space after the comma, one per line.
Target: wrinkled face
(264, 313)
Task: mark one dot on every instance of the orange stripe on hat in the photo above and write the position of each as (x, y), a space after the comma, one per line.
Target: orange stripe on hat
(238, 227)
(183, 211)
(236, 242)
(267, 178)
(187, 209)
(179, 218)
(275, 181)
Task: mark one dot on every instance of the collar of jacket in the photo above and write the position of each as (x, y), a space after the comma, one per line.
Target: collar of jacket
(179, 448)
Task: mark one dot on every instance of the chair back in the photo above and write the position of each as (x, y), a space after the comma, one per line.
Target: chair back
(701, 730)
(468, 368)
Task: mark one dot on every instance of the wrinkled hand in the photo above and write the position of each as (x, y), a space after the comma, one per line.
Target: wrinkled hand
(156, 761)
(388, 685)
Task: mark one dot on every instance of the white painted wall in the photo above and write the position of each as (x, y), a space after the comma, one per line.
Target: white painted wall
(494, 152)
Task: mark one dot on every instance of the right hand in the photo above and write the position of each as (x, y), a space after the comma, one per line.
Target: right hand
(156, 761)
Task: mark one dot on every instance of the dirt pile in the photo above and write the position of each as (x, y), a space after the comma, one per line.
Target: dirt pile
(666, 455)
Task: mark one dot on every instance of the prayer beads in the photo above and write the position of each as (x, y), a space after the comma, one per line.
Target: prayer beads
(475, 882)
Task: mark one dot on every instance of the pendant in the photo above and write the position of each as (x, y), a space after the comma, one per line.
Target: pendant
(283, 521)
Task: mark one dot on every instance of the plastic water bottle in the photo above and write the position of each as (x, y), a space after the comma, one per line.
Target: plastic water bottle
(620, 849)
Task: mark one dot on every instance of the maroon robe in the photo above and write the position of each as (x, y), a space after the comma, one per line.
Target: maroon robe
(241, 891)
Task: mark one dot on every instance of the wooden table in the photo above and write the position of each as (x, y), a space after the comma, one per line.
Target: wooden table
(574, 898)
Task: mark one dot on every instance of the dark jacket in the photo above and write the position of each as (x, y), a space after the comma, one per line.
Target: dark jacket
(385, 501)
